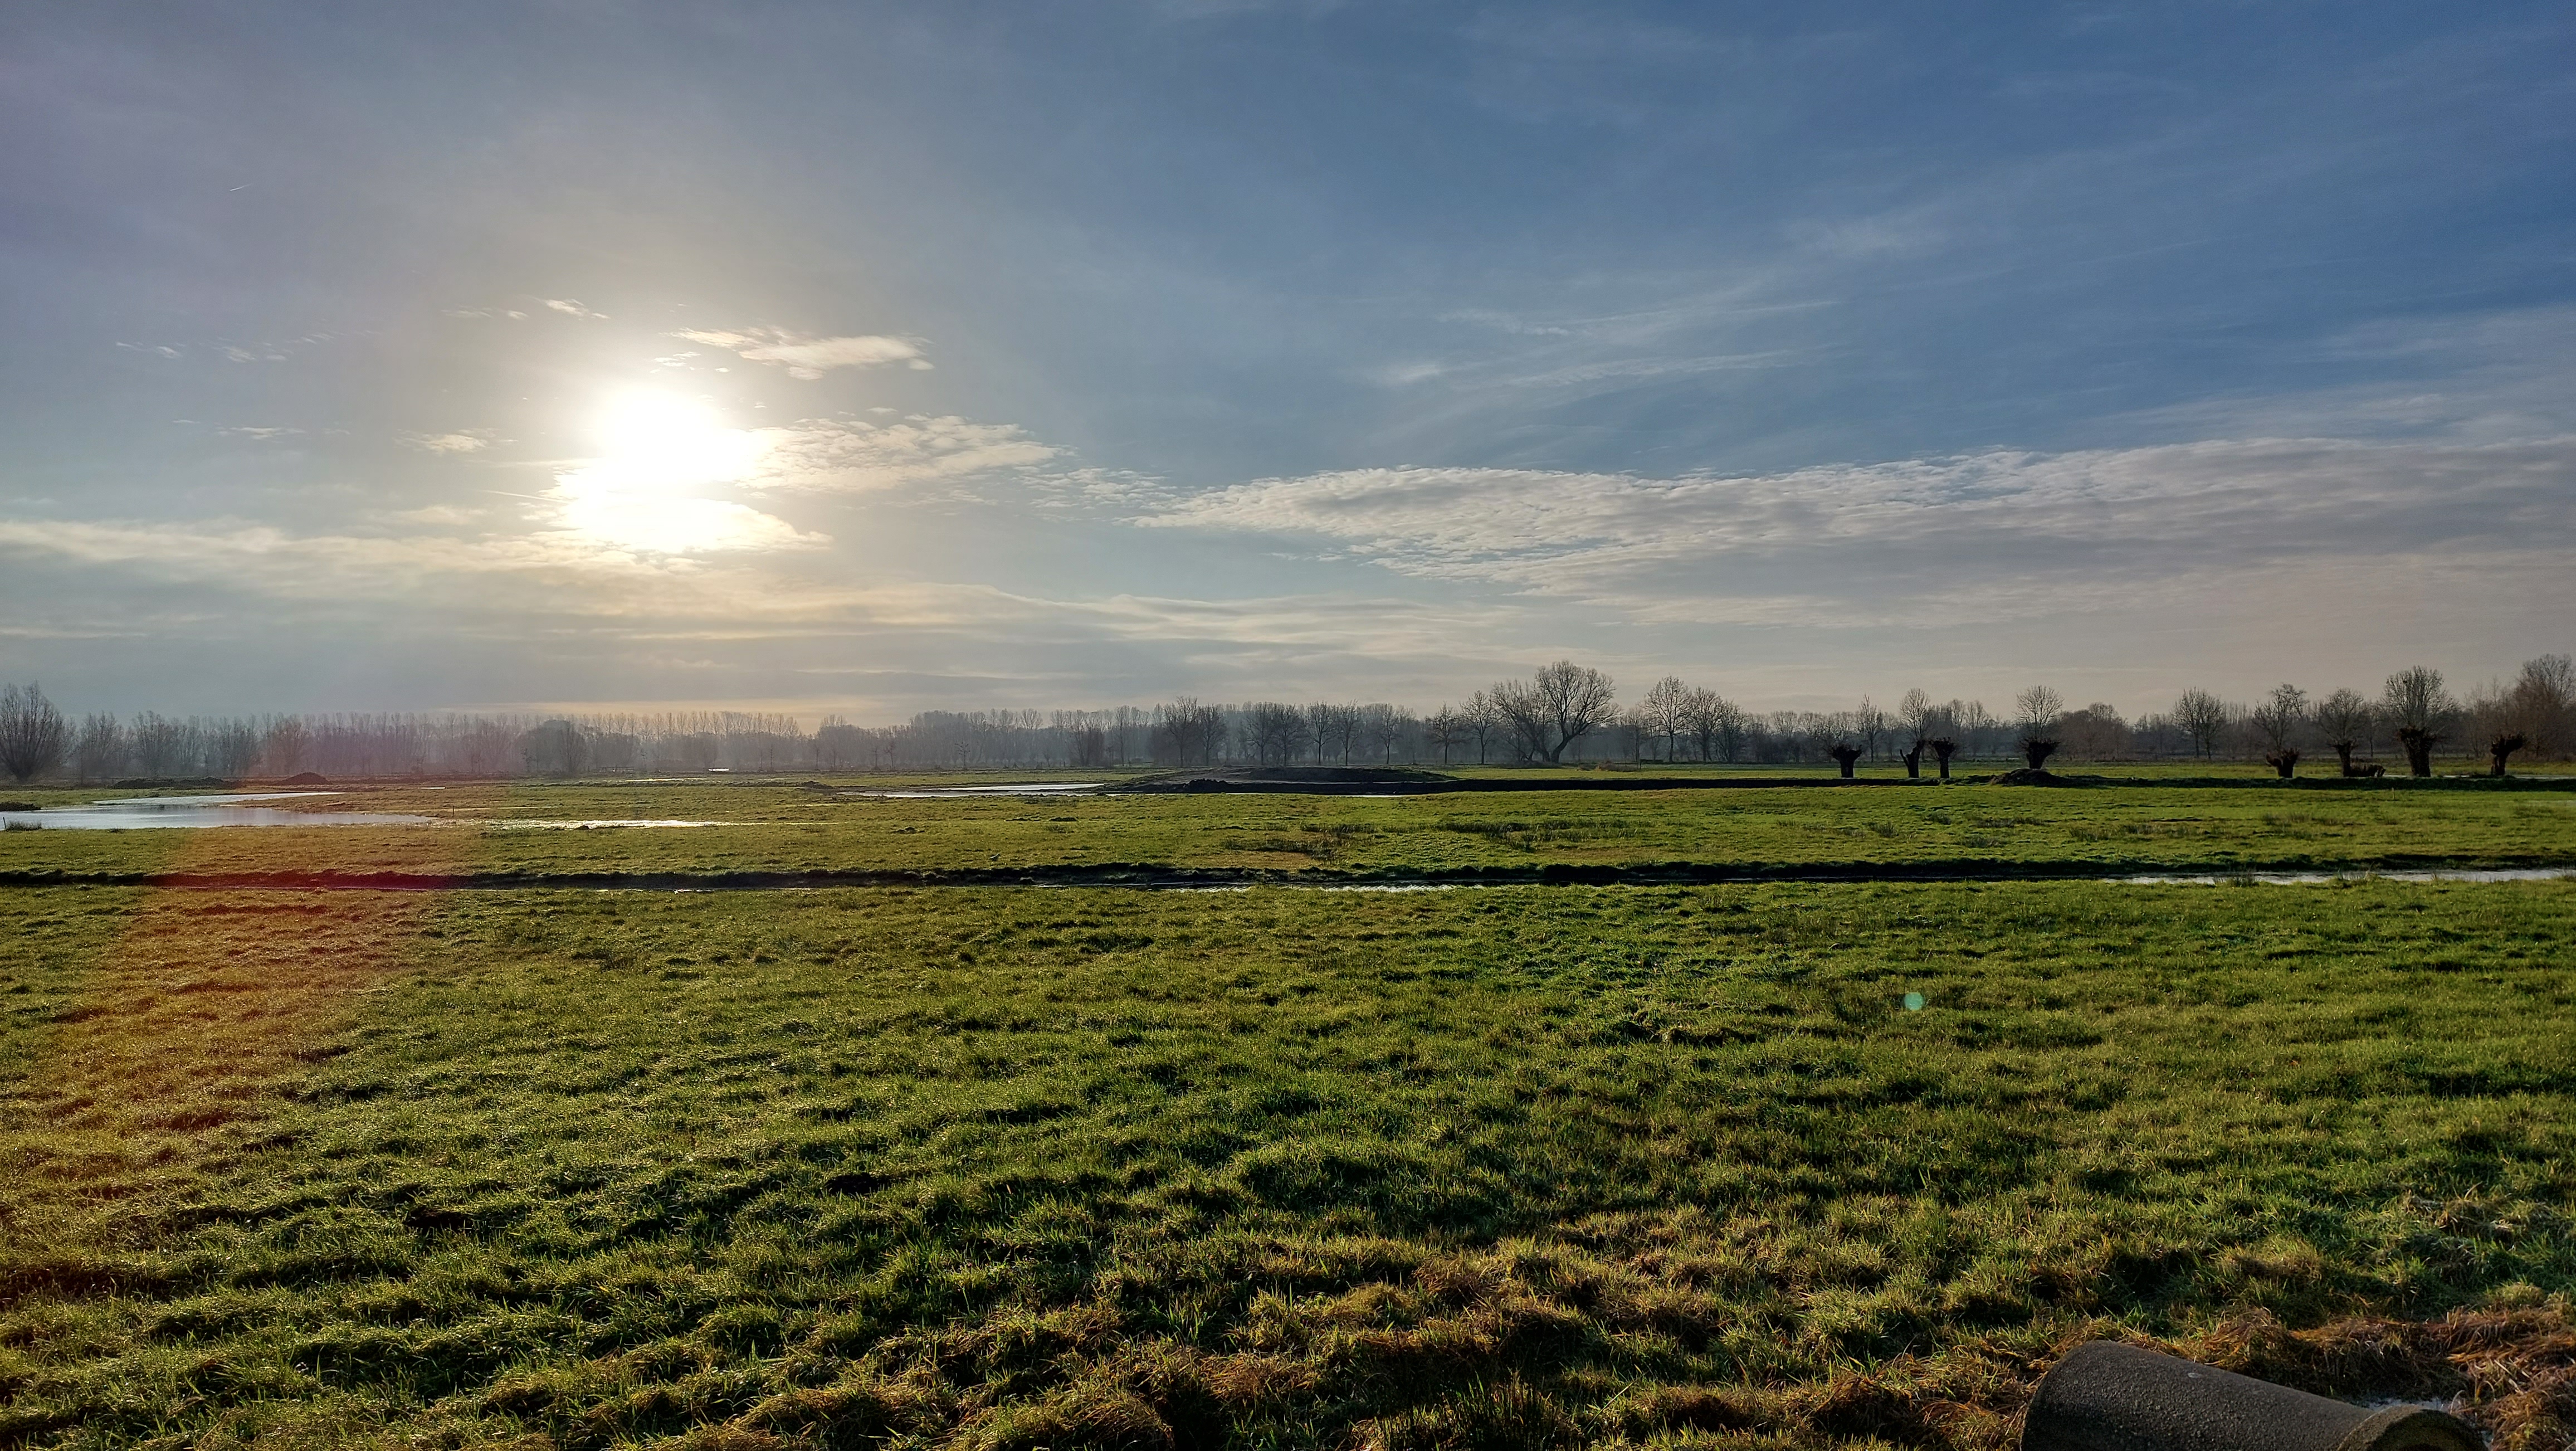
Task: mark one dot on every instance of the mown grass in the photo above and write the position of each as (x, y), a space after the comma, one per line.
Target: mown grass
(780, 827)
(1030, 1168)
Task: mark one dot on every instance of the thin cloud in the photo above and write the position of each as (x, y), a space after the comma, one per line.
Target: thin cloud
(1879, 541)
(851, 455)
(571, 308)
(810, 358)
(469, 441)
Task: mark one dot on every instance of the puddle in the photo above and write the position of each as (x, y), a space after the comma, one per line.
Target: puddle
(143, 813)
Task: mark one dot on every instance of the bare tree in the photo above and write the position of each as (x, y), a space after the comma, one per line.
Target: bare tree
(289, 744)
(1334, 729)
(159, 744)
(2202, 718)
(1869, 723)
(2344, 719)
(2543, 704)
(2422, 712)
(1273, 730)
(2502, 748)
(1943, 748)
(1381, 726)
(1562, 704)
(232, 748)
(1482, 720)
(2039, 708)
(1715, 724)
(32, 733)
(2278, 718)
(99, 749)
(1915, 712)
(1444, 729)
(1844, 753)
(1664, 711)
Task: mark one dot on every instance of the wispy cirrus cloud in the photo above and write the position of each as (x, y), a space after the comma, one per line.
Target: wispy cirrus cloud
(854, 455)
(1879, 541)
(472, 440)
(809, 358)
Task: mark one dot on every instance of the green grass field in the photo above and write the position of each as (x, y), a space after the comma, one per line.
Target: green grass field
(782, 827)
(1514, 1166)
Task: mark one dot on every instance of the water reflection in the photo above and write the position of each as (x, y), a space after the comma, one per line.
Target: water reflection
(143, 813)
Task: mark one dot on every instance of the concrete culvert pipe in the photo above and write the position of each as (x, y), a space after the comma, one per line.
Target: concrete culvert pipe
(2111, 1397)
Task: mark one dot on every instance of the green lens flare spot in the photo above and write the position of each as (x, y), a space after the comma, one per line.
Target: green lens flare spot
(1914, 1002)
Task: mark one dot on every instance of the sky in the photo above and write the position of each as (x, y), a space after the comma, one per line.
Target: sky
(578, 354)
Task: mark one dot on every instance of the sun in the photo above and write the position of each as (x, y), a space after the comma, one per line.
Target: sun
(659, 440)
(648, 488)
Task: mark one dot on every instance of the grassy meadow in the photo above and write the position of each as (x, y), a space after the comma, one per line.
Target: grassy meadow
(532, 828)
(1753, 1166)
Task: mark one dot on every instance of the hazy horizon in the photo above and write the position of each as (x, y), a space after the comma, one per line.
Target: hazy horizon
(591, 357)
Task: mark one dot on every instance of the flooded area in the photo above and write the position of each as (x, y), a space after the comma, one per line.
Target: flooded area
(2320, 879)
(145, 813)
(969, 793)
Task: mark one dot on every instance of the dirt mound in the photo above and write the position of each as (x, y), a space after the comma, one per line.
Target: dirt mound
(2031, 776)
(1322, 779)
(307, 778)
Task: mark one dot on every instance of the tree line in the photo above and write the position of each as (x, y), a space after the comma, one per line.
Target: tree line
(1565, 712)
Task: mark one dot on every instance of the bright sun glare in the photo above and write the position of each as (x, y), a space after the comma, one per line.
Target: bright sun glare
(646, 489)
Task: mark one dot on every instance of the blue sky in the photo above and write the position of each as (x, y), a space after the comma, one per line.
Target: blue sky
(858, 358)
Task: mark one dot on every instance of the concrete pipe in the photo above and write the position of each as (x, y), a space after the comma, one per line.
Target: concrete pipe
(2111, 1397)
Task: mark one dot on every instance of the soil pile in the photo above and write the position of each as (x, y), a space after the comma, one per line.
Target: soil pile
(1313, 779)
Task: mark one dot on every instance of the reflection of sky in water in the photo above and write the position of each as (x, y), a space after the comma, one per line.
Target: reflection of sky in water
(143, 813)
(955, 793)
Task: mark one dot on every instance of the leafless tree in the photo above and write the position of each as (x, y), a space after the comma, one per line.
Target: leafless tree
(1562, 704)
(2542, 704)
(1943, 748)
(1481, 720)
(1915, 712)
(1665, 711)
(2202, 718)
(2421, 710)
(2280, 717)
(1274, 731)
(1192, 732)
(1870, 723)
(99, 749)
(160, 744)
(232, 748)
(1445, 728)
(2344, 719)
(1380, 727)
(2502, 748)
(2040, 709)
(1844, 753)
(1716, 725)
(32, 733)
(287, 746)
